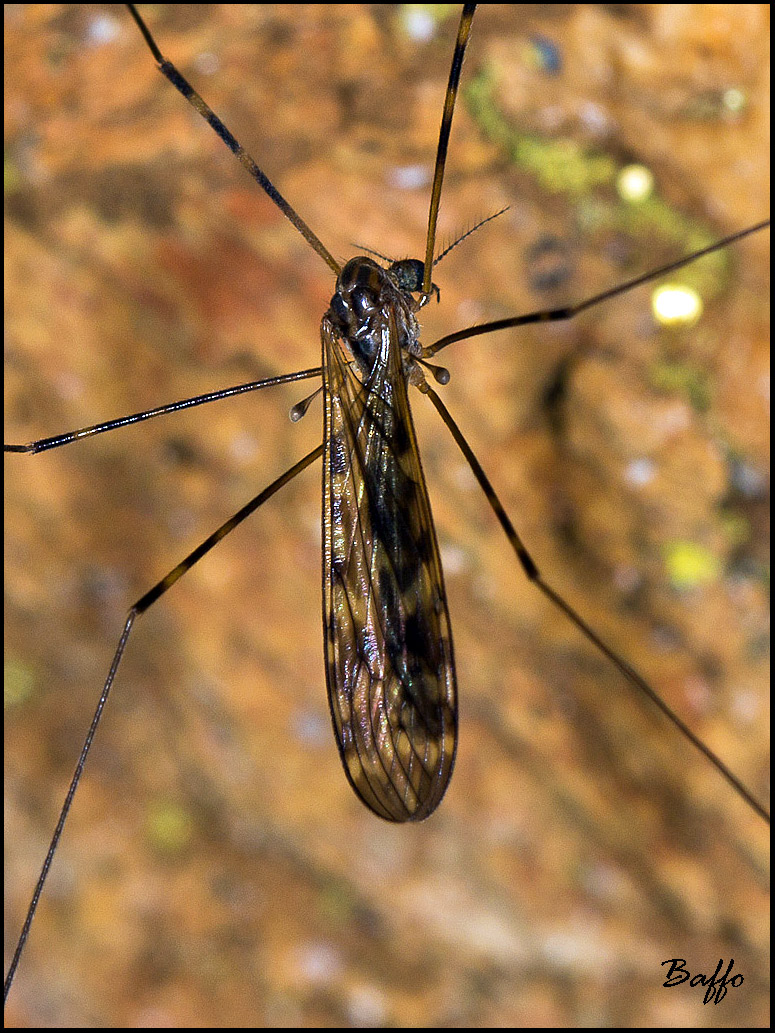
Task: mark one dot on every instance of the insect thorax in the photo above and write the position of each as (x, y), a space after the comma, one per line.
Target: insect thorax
(374, 307)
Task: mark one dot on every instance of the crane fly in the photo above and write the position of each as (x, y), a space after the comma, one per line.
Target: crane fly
(275, 801)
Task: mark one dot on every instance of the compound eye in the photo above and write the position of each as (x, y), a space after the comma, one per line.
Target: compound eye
(409, 274)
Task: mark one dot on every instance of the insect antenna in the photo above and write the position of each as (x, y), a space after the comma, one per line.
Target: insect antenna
(468, 232)
(370, 251)
(447, 249)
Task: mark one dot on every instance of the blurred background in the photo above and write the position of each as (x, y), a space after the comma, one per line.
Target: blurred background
(217, 870)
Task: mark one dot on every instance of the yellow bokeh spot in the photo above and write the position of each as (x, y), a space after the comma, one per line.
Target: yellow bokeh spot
(690, 565)
(19, 684)
(635, 183)
(734, 100)
(169, 827)
(676, 305)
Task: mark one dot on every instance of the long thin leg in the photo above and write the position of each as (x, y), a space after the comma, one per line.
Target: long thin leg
(463, 32)
(569, 311)
(170, 72)
(42, 444)
(142, 604)
(533, 574)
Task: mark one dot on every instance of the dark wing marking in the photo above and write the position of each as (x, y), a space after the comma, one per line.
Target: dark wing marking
(389, 663)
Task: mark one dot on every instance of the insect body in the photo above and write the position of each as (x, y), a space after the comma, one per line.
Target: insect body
(389, 665)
